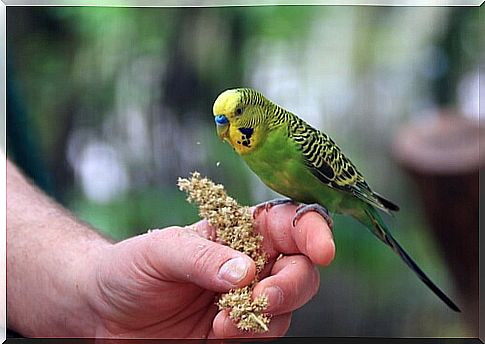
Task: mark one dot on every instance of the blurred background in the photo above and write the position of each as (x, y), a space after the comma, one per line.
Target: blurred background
(107, 107)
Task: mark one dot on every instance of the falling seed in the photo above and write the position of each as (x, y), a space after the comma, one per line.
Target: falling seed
(198, 142)
(218, 163)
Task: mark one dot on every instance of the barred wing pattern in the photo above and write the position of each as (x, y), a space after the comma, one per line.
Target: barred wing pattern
(330, 165)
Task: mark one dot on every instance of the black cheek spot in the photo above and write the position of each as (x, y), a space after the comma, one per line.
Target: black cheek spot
(247, 143)
(248, 132)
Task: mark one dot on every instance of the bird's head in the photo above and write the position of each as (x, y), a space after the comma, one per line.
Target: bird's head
(239, 114)
(227, 108)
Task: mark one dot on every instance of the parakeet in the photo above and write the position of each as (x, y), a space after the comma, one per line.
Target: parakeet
(302, 163)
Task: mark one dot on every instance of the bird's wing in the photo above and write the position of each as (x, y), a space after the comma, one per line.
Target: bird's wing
(326, 162)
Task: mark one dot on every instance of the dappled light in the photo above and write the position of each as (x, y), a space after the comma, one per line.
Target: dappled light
(108, 106)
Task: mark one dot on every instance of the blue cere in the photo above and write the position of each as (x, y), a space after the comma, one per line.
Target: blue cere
(221, 119)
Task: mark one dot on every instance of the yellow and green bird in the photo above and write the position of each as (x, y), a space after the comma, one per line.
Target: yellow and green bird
(304, 164)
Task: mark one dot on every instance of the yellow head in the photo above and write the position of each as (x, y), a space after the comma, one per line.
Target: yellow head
(240, 118)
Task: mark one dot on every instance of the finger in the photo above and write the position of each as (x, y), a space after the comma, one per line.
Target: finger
(180, 254)
(204, 229)
(311, 236)
(224, 327)
(293, 282)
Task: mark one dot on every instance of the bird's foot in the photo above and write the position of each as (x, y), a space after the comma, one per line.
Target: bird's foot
(305, 208)
(270, 204)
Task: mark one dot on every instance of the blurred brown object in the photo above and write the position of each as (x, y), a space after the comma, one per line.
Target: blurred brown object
(442, 156)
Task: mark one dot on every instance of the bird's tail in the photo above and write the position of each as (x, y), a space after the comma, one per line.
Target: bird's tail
(373, 221)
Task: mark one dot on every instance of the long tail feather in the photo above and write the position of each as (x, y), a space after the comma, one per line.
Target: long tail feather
(388, 204)
(381, 231)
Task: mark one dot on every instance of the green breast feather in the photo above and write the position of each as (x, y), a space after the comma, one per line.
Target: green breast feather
(304, 164)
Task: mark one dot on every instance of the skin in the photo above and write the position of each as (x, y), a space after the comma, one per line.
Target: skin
(65, 280)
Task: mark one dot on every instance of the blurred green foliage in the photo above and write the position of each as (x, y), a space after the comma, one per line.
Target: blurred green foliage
(117, 105)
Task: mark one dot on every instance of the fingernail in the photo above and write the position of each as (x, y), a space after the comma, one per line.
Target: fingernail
(234, 270)
(275, 297)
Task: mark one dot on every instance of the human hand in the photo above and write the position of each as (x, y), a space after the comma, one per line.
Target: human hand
(163, 284)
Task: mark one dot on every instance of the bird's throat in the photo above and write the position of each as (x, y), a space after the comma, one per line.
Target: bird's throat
(244, 140)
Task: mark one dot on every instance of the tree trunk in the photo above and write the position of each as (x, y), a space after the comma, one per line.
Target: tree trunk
(442, 157)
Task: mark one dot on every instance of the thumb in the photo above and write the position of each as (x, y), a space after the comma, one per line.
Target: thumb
(181, 255)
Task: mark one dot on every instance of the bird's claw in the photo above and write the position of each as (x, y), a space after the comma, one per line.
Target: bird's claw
(270, 204)
(305, 208)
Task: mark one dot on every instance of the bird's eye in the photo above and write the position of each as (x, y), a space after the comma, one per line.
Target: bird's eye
(239, 111)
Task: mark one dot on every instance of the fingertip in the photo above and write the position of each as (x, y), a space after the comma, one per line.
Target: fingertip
(328, 252)
(312, 235)
(293, 282)
(218, 323)
(250, 274)
(319, 245)
(273, 292)
(224, 327)
(181, 254)
(322, 251)
(238, 271)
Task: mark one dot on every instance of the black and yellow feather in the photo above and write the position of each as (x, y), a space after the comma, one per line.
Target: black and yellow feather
(304, 164)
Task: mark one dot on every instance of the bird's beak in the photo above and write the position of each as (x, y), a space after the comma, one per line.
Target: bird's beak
(222, 125)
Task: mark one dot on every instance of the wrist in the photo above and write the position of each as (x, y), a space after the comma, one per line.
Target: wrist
(84, 319)
(50, 256)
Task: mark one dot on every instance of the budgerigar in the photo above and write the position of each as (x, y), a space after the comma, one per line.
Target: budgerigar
(304, 164)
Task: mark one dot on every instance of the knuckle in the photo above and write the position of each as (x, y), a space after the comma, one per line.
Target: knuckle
(203, 259)
(165, 233)
(204, 229)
